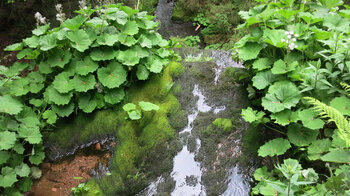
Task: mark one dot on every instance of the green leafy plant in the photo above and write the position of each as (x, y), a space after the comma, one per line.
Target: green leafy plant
(84, 64)
(135, 113)
(80, 189)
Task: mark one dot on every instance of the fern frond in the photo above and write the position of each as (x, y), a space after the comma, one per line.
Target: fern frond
(333, 115)
(346, 87)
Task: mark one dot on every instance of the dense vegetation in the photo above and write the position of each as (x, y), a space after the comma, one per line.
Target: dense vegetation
(85, 64)
(297, 53)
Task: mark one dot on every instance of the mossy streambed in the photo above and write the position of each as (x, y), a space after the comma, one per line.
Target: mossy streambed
(192, 144)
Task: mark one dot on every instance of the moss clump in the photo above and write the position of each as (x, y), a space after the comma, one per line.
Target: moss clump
(179, 15)
(137, 139)
(223, 123)
(176, 69)
(82, 129)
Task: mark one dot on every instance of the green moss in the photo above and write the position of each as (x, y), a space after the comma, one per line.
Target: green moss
(176, 69)
(137, 139)
(148, 5)
(179, 14)
(223, 123)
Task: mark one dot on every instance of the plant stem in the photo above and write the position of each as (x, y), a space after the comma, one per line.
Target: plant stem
(274, 129)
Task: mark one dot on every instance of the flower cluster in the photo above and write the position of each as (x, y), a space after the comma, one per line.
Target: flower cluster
(39, 19)
(60, 16)
(291, 39)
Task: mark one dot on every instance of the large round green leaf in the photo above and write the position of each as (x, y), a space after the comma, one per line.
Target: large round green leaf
(263, 79)
(285, 117)
(80, 40)
(63, 111)
(114, 96)
(127, 40)
(342, 104)
(142, 72)
(128, 57)
(84, 83)
(59, 58)
(281, 95)
(86, 103)
(7, 140)
(48, 42)
(113, 75)
(32, 42)
(107, 39)
(274, 147)
(103, 54)
(10, 105)
(36, 82)
(130, 28)
(301, 136)
(22, 170)
(250, 51)
(50, 116)
(85, 66)
(30, 134)
(310, 120)
(63, 83)
(7, 177)
(148, 106)
(74, 23)
(52, 95)
(15, 69)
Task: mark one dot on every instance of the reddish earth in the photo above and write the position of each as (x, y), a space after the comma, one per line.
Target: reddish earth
(58, 178)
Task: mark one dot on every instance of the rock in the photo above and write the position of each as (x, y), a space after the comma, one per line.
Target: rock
(54, 189)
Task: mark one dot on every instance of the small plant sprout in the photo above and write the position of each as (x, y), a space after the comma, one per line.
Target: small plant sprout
(39, 19)
(291, 39)
(60, 16)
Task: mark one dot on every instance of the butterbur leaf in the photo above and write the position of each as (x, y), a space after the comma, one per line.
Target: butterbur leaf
(4, 156)
(14, 47)
(250, 51)
(162, 52)
(301, 136)
(86, 103)
(22, 170)
(50, 116)
(15, 69)
(107, 39)
(80, 40)
(127, 40)
(23, 53)
(263, 79)
(59, 58)
(7, 177)
(52, 95)
(19, 86)
(62, 82)
(135, 114)
(103, 54)
(48, 42)
(63, 111)
(44, 68)
(251, 115)
(310, 120)
(274, 37)
(285, 117)
(30, 134)
(281, 95)
(142, 72)
(85, 66)
(129, 107)
(41, 30)
(342, 104)
(318, 148)
(74, 23)
(130, 28)
(25, 184)
(128, 10)
(32, 42)
(10, 105)
(128, 57)
(18, 148)
(114, 96)
(84, 83)
(36, 172)
(337, 156)
(145, 42)
(148, 106)
(37, 157)
(262, 63)
(96, 23)
(262, 174)
(113, 75)
(274, 147)
(7, 140)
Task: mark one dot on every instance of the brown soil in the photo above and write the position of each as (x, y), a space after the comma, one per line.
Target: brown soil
(58, 178)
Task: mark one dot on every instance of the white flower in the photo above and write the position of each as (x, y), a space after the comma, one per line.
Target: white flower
(296, 35)
(286, 32)
(42, 20)
(289, 36)
(58, 15)
(294, 40)
(37, 15)
(291, 33)
(58, 6)
(85, 8)
(287, 41)
(283, 40)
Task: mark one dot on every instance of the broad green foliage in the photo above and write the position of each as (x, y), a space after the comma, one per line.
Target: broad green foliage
(135, 113)
(299, 49)
(84, 64)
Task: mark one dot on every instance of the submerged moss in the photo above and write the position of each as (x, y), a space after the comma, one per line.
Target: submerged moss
(223, 123)
(137, 139)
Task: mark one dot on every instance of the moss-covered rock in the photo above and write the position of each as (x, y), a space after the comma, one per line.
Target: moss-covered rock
(223, 123)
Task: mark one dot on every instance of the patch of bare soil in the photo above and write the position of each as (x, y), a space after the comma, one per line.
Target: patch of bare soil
(58, 178)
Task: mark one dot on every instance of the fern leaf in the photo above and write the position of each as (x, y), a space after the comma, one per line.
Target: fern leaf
(333, 115)
(346, 87)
